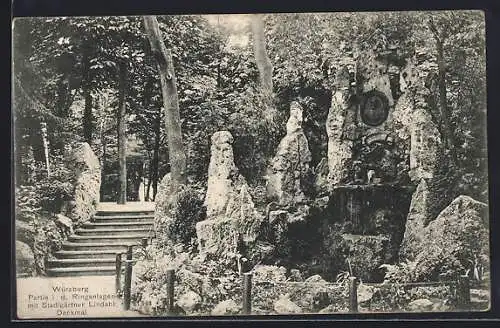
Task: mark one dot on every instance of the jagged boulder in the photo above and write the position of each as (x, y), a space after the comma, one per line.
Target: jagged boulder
(222, 176)
(227, 307)
(456, 241)
(339, 123)
(420, 305)
(25, 232)
(65, 224)
(269, 273)
(189, 301)
(314, 295)
(25, 259)
(230, 210)
(366, 254)
(285, 306)
(425, 146)
(416, 220)
(290, 166)
(87, 171)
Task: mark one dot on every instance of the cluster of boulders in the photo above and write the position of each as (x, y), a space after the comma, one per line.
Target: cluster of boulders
(231, 213)
(234, 228)
(34, 242)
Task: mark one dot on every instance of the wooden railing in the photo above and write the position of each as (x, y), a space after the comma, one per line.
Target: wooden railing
(462, 287)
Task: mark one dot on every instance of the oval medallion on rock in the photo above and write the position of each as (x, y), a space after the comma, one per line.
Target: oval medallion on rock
(374, 108)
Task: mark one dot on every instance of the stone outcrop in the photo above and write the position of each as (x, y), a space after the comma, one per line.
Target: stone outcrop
(65, 224)
(416, 220)
(25, 232)
(420, 305)
(290, 166)
(285, 306)
(339, 126)
(366, 254)
(189, 301)
(87, 171)
(425, 146)
(269, 273)
(227, 307)
(223, 175)
(375, 72)
(314, 295)
(456, 241)
(231, 214)
(25, 259)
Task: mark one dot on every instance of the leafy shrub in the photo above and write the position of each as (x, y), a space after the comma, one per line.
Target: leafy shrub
(37, 200)
(391, 297)
(211, 280)
(188, 211)
(47, 241)
(399, 273)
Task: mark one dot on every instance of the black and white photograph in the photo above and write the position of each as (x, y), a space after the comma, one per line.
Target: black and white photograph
(234, 165)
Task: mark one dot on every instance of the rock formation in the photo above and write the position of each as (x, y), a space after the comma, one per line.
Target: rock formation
(290, 166)
(283, 305)
(425, 145)
(227, 307)
(231, 214)
(455, 241)
(87, 170)
(416, 219)
(339, 126)
(25, 259)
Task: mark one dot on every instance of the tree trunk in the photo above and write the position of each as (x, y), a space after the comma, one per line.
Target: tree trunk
(261, 58)
(64, 99)
(103, 149)
(264, 66)
(150, 178)
(87, 111)
(87, 117)
(45, 146)
(156, 156)
(443, 105)
(122, 160)
(163, 56)
(444, 113)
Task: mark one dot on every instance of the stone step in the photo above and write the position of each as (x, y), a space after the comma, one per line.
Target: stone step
(81, 271)
(87, 254)
(119, 225)
(86, 262)
(102, 246)
(124, 239)
(104, 231)
(92, 249)
(121, 219)
(124, 214)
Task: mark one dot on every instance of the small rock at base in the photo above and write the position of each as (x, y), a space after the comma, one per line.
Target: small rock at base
(227, 307)
(284, 306)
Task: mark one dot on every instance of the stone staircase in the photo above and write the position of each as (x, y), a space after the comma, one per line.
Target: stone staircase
(92, 249)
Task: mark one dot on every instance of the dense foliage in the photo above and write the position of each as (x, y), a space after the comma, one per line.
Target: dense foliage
(66, 76)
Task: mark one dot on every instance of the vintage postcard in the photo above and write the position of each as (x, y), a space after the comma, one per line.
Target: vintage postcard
(250, 164)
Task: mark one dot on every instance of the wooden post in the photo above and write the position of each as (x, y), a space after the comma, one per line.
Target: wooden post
(463, 292)
(170, 291)
(128, 279)
(247, 293)
(353, 294)
(118, 272)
